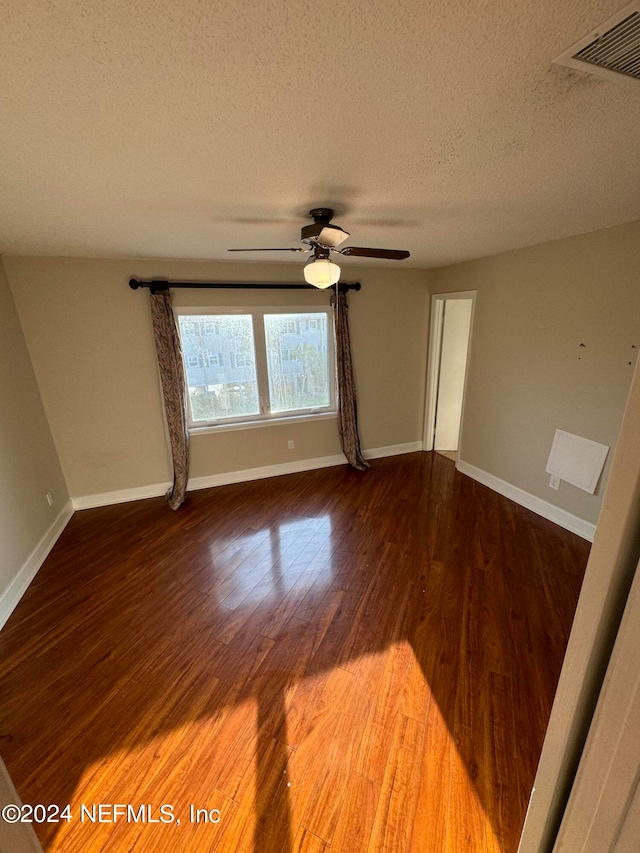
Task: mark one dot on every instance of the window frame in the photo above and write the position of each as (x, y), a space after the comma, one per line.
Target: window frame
(265, 416)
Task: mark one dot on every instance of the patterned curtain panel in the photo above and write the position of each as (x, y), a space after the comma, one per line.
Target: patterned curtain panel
(173, 392)
(347, 409)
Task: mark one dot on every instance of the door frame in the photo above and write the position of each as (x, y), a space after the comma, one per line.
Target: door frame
(433, 363)
(607, 778)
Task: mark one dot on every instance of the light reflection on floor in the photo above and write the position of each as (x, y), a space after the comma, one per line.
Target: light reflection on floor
(293, 553)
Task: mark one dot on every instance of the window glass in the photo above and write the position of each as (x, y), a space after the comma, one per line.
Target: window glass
(234, 377)
(296, 361)
(219, 355)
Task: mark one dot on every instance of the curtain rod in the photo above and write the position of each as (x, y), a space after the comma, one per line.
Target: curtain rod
(158, 285)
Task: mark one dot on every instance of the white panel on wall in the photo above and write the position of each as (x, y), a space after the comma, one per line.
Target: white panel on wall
(576, 460)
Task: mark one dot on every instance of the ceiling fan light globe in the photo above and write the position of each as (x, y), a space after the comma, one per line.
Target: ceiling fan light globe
(321, 272)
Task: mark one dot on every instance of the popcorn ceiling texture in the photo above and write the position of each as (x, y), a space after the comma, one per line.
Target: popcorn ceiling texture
(157, 129)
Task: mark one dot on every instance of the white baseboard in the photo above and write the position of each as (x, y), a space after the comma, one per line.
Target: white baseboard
(296, 467)
(266, 471)
(121, 496)
(242, 476)
(538, 505)
(392, 450)
(18, 586)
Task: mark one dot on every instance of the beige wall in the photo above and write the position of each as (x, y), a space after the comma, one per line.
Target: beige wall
(528, 374)
(91, 344)
(29, 466)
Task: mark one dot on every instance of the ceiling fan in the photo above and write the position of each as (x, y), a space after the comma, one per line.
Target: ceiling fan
(321, 239)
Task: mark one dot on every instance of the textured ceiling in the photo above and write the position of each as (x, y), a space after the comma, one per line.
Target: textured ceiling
(165, 129)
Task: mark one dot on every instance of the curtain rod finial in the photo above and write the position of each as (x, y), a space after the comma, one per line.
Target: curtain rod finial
(134, 284)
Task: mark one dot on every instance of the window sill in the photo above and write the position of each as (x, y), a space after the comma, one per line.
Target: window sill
(265, 422)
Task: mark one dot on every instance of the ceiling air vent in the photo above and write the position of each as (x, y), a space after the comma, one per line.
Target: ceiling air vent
(611, 51)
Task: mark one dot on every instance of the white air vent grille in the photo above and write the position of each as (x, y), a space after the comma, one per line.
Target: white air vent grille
(611, 51)
(618, 49)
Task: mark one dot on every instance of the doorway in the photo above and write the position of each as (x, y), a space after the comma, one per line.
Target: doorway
(450, 338)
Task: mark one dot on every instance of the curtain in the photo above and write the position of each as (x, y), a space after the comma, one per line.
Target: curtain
(174, 393)
(347, 409)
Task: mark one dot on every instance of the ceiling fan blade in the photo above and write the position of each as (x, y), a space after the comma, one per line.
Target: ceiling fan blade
(268, 250)
(361, 252)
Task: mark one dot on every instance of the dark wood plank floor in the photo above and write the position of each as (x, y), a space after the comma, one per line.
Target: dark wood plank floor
(333, 660)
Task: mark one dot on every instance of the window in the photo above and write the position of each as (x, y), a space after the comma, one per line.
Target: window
(211, 359)
(241, 359)
(310, 325)
(258, 371)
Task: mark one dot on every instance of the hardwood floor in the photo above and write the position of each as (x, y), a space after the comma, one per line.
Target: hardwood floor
(333, 660)
(448, 454)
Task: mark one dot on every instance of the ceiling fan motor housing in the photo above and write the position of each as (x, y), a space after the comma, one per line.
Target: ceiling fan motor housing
(323, 234)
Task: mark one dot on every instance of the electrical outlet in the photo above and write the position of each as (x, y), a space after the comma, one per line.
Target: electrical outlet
(49, 498)
(554, 482)
(290, 444)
